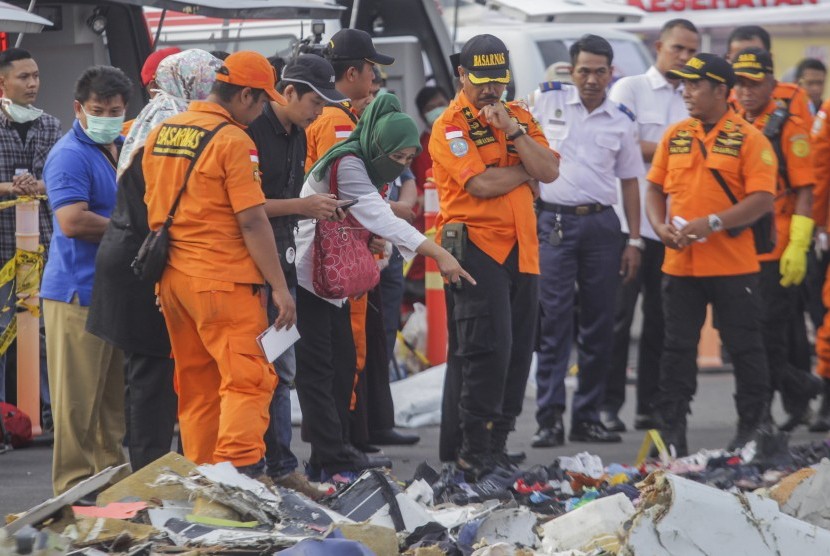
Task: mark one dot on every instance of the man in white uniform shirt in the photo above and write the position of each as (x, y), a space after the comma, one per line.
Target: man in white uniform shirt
(579, 236)
(656, 102)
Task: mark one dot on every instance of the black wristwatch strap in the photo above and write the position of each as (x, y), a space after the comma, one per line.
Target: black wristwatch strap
(516, 135)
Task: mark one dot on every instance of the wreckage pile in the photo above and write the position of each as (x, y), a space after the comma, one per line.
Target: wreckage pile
(763, 500)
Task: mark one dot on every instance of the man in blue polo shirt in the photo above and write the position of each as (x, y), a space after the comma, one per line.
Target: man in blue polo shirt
(86, 374)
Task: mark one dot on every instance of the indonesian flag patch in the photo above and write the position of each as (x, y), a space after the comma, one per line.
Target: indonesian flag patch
(452, 132)
(254, 156)
(342, 131)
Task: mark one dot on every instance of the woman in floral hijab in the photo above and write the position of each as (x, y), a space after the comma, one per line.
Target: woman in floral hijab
(182, 77)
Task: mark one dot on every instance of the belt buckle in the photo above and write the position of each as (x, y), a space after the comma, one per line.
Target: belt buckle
(582, 210)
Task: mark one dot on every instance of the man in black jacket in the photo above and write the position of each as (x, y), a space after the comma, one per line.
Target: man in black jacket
(307, 83)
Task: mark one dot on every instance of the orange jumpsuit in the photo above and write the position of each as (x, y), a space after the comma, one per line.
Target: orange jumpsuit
(820, 136)
(211, 291)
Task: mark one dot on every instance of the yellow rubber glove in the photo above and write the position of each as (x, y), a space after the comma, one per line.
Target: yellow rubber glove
(793, 265)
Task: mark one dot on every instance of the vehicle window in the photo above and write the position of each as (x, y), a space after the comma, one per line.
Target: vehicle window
(628, 56)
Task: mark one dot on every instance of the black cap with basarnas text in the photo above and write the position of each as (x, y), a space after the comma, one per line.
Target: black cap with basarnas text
(753, 63)
(705, 66)
(486, 60)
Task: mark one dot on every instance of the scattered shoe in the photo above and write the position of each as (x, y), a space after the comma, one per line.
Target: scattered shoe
(643, 422)
(299, 483)
(587, 431)
(391, 437)
(612, 422)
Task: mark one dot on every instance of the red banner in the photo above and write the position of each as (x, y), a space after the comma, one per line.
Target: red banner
(683, 5)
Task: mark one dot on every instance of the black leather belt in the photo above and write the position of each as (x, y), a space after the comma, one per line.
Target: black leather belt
(578, 210)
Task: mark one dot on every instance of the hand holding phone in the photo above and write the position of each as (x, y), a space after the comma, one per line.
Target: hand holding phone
(347, 204)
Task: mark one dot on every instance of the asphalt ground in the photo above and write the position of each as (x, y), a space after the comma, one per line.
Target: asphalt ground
(25, 473)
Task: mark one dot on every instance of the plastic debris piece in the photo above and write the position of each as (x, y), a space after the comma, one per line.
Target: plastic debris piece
(810, 500)
(380, 540)
(114, 510)
(593, 526)
(583, 462)
(140, 485)
(49, 507)
(679, 517)
(510, 525)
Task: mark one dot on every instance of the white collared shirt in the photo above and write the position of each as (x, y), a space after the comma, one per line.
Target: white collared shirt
(372, 212)
(656, 105)
(596, 148)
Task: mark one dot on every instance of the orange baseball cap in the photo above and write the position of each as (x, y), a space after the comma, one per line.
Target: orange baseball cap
(250, 69)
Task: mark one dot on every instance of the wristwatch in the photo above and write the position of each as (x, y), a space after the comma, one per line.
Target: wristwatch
(639, 243)
(517, 134)
(715, 223)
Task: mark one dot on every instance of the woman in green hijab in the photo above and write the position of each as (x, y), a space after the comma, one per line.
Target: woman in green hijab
(384, 142)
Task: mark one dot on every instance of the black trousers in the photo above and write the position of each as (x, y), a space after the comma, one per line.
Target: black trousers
(374, 410)
(779, 305)
(736, 302)
(151, 407)
(492, 330)
(325, 374)
(648, 281)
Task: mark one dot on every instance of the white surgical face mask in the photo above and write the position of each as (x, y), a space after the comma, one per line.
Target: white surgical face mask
(103, 129)
(20, 114)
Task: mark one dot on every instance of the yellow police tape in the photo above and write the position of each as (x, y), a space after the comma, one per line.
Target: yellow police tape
(653, 437)
(421, 357)
(26, 288)
(21, 200)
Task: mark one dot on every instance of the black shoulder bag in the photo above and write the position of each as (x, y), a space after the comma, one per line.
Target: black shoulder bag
(151, 260)
(763, 229)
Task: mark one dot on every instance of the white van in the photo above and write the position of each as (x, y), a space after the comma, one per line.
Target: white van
(538, 34)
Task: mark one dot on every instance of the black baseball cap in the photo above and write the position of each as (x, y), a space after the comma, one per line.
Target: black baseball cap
(486, 59)
(753, 63)
(315, 72)
(706, 66)
(354, 44)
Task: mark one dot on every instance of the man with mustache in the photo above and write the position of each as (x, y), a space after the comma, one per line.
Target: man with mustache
(487, 157)
(720, 172)
(657, 102)
(579, 237)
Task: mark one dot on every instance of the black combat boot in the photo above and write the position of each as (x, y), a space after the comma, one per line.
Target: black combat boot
(752, 418)
(822, 420)
(798, 387)
(498, 449)
(475, 458)
(673, 427)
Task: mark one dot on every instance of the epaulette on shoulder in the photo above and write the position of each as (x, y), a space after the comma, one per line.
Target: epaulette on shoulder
(547, 86)
(627, 111)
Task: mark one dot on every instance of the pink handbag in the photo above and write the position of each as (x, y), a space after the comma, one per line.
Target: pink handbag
(342, 264)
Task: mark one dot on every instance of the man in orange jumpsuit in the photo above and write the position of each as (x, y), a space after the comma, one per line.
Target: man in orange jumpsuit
(692, 159)
(222, 252)
(487, 157)
(785, 267)
(790, 95)
(820, 136)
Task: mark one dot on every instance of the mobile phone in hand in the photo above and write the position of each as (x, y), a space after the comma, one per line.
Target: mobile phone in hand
(347, 204)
